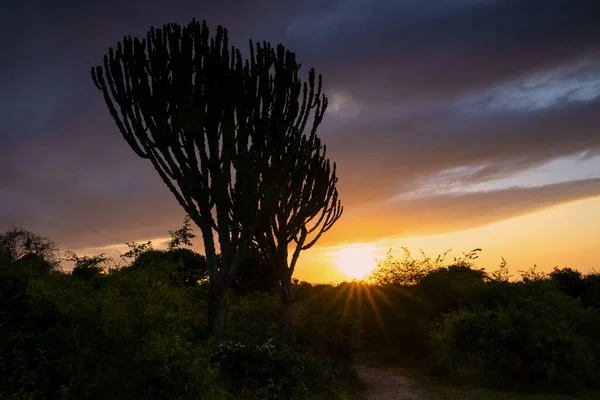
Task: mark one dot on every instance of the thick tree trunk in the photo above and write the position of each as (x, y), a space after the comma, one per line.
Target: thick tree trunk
(289, 324)
(216, 313)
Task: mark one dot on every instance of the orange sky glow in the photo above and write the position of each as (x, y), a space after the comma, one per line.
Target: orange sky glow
(563, 235)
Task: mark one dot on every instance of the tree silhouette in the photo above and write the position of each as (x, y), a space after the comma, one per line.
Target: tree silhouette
(182, 236)
(16, 243)
(255, 274)
(87, 267)
(208, 121)
(308, 207)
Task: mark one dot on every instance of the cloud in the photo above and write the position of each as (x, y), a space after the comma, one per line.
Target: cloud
(435, 214)
(490, 90)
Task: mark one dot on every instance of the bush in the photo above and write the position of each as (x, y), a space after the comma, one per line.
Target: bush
(179, 267)
(449, 288)
(328, 333)
(260, 371)
(591, 297)
(568, 281)
(64, 338)
(272, 370)
(544, 341)
(254, 275)
(254, 318)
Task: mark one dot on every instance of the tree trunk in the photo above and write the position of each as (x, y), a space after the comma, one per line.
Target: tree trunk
(289, 326)
(216, 313)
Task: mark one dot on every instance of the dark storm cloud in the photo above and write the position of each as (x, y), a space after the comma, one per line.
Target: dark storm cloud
(396, 50)
(399, 72)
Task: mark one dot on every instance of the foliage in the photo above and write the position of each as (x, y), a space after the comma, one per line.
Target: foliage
(406, 270)
(328, 332)
(135, 333)
(128, 338)
(87, 267)
(569, 281)
(182, 236)
(136, 249)
(16, 243)
(254, 318)
(591, 297)
(502, 274)
(450, 288)
(486, 329)
(544, 341)
(180, 267)
(254, 275)
(532, 275)
(272, 370)
(33, 265)
(140, 331)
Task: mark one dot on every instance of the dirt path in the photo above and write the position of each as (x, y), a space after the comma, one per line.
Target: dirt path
(382, 384)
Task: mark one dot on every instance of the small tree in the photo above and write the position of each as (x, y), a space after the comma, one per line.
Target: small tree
(182, 236)
(87, 267)
(16, 243)
(502, 274)
(208, 120)
(406, 270)
(532, 275)
(568, 281)
(137, 249)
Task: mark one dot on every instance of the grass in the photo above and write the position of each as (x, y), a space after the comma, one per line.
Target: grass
(436, 389)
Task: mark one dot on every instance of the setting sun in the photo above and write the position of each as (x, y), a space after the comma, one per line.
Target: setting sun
(356, 261)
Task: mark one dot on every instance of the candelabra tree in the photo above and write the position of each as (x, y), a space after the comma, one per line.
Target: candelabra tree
(308, 207)
(210, 122)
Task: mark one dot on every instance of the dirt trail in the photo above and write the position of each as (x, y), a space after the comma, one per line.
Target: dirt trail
(382, 384)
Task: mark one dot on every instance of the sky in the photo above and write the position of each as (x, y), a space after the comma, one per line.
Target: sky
(453, 124)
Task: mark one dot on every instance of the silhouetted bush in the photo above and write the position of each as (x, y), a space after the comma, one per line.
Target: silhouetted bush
(546, 341)
(252, 318)
(138, 333)
(272, 370)
(181, 267)
(450, 288)
(34, 265)
(569, 281)
(17, 243)
(591, 297)
(485, 329)
(255, 275)
(62, 338)
(327, 332)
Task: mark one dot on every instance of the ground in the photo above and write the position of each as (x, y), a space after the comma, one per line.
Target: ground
(383, 384)
(391, 383)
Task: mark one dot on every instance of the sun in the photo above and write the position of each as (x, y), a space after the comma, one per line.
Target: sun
(356, 261)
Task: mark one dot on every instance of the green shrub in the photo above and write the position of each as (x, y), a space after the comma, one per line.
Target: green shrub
(273, 370)
(253, 318)
(546, 341)
(568, 281)
(591, 297)
(179, 267)
(65, 338)
(449, 288)
(328, 333)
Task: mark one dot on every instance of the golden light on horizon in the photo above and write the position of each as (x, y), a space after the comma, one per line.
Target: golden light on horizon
(356, 261)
